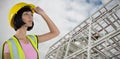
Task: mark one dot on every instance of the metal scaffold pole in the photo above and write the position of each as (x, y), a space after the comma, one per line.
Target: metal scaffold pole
(89, 40)
(67, 48)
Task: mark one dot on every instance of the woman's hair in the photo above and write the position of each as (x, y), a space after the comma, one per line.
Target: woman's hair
(17, 19)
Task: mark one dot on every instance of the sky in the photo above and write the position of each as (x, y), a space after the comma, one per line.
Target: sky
(66, 14)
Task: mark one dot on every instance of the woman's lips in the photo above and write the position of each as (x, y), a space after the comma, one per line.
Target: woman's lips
(30, 21)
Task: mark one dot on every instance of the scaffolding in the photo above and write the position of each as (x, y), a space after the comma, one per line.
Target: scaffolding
(98, 37)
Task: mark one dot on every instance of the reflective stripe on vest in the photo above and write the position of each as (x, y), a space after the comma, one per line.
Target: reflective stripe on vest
(16, 51)
(13, 49)
(13, 43)
(34, 40)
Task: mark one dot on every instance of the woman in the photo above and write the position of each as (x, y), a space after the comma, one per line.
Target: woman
(20, 45)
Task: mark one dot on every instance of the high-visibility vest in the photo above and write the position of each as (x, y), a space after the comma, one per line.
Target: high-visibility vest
(16, 51)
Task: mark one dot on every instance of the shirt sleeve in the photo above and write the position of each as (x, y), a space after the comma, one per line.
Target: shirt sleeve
(6, 48)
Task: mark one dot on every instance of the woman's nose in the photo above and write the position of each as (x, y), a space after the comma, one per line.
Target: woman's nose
(30, 16)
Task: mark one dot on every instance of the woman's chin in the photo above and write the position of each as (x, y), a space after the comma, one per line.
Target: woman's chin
(29, 25)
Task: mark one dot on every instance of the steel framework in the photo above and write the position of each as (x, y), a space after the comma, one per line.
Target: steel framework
(98, 37)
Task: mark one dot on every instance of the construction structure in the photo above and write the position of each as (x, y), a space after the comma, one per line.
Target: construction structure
(97, 37)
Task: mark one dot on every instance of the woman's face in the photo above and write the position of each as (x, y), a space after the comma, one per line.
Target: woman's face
(27, 18)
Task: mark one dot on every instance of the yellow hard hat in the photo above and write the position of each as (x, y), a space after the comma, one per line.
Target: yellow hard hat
(15, 9)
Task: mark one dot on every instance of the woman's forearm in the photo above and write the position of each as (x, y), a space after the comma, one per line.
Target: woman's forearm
(52, 27)
(49, 22)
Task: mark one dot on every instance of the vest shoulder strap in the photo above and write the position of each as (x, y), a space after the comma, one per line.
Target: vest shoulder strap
(16, 51)
(34, 39)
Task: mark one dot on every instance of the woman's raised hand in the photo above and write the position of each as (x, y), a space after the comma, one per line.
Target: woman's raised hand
(38, 10)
